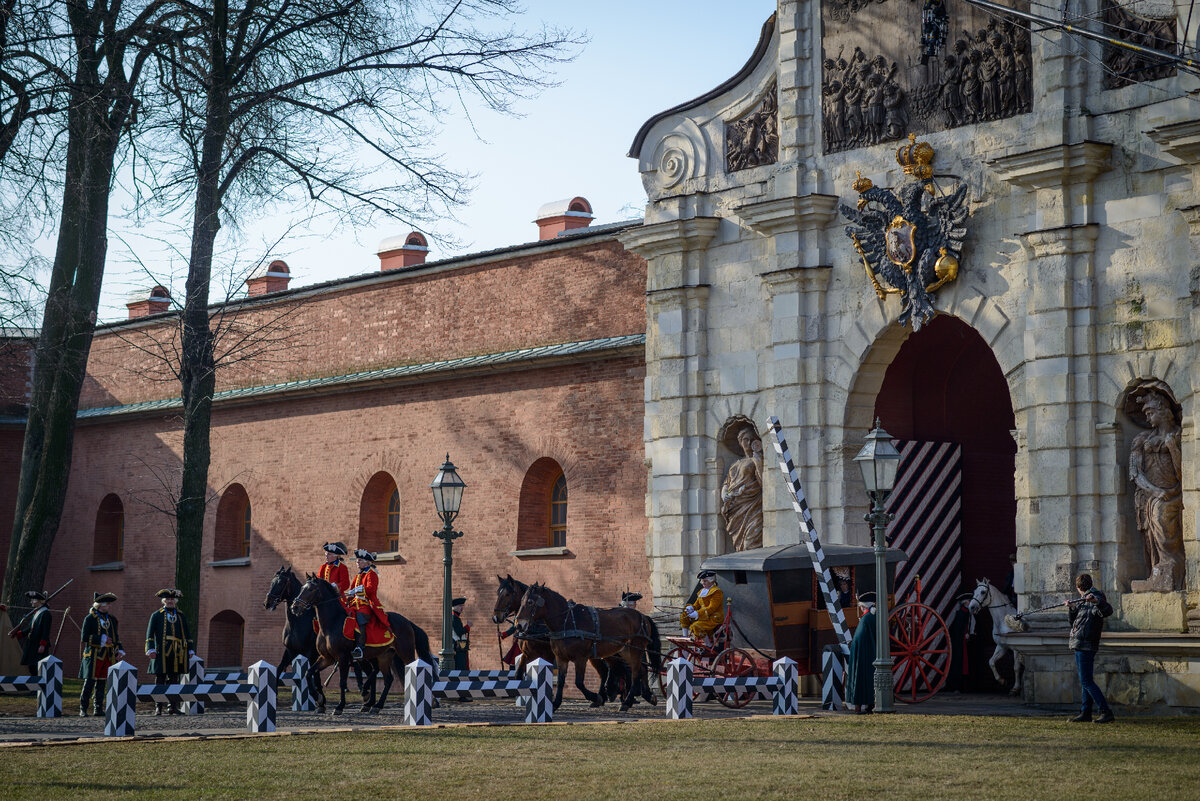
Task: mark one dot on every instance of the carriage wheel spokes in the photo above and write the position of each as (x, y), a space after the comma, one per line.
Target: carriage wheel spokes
(730, 663)
(920, 645)
(681, 652)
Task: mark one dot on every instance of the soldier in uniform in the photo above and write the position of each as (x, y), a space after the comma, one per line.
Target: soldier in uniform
(101, 650)
(169, 645)
(334, 570)
(702, 617)
(629, 600)
(362, 599)
(462, 636)
(33, 632)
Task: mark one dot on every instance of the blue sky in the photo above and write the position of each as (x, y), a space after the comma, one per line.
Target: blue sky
(642, 58)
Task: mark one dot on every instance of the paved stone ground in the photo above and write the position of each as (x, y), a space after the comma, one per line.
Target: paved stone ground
(230, 719)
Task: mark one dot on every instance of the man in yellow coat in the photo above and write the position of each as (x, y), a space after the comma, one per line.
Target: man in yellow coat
(701, 618)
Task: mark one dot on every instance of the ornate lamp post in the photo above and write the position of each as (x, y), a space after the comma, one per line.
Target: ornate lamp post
(447, 498)
(878, 460)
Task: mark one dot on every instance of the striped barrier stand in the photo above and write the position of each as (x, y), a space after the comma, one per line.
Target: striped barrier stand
(47, 684)
(540, 677)
(418, 693)
(833, 672)
(120, 704)
(302, 700)
(787, 693)
(679, 689)
(260, 712)
(195, 676)
(462, 689)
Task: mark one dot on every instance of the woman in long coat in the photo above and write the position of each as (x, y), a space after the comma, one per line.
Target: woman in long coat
(860, 676)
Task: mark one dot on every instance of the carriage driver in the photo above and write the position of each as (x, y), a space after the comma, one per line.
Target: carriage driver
(334, 570)
(701, 618)
(362, 599)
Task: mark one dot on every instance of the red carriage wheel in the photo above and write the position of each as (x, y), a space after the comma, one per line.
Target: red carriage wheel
(920, 650)
(730, 663)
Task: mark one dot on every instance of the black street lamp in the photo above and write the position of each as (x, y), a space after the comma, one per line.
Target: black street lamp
(878, 460)
(447, 498)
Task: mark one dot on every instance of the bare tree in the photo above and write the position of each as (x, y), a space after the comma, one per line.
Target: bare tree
(95, 53)
(303, 100)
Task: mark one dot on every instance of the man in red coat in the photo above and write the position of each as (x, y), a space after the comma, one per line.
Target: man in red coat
(334, 570)
(362, 600)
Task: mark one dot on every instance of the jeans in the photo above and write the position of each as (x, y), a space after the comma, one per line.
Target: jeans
(1084, 663)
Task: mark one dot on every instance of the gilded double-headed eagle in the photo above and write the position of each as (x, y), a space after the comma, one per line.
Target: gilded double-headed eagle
(911, 237)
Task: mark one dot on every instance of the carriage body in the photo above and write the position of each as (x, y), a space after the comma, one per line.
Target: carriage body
(777, 606)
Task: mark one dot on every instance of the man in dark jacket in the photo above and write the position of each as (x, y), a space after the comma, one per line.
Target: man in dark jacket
(169, 645)
(33, 632)
(101, 650)
(1086, 615)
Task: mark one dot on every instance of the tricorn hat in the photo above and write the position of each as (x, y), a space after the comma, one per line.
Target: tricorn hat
(703, 574)
(338, 548)
(866, 597)
(363, 553)
(169, 593)
(458, 602)
(103, 597)
(36, 595)
(631, 596)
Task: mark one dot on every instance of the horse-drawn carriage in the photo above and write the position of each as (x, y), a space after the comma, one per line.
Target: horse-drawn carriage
(775, 608)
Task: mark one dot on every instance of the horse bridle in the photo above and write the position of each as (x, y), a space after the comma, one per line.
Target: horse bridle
(309, 604)
(274, 599)
(987, 597)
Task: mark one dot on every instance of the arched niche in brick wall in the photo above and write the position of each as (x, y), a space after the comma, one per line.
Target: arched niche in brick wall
(225, 633)
(534, 516)
(379, 515)
(234, 524)
(108, 541)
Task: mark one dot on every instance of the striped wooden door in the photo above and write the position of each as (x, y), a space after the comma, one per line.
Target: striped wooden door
(927, 503)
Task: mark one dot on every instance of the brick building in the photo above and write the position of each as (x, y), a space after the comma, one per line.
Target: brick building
(524, 364)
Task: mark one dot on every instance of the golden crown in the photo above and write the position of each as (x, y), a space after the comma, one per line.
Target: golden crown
(862, 184)
(916, 158)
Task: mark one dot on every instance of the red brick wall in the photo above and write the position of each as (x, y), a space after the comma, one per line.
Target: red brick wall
(16, 357)
(592, 290)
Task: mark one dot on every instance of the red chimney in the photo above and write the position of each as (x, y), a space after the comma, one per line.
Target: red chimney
(396, 252)
(563, 215)
(274, 277)
(143, 304)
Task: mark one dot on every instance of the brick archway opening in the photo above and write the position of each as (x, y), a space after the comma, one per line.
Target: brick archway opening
(374, 526)
(108, 542)
(225, 634)
(533, 516)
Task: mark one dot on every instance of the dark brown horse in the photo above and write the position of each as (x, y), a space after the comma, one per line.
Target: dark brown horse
(579, 633)
(333, 647)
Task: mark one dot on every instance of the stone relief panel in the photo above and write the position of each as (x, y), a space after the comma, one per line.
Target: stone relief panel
(893, 67)
(753, 140)
(1143, 23)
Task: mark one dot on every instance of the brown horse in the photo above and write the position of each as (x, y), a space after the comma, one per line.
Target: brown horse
(333, 647)
(579, 633)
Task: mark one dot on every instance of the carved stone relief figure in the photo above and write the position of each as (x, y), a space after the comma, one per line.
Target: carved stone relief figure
(753, 140)
(1124, 66)
(741, 494)
(1155, 469)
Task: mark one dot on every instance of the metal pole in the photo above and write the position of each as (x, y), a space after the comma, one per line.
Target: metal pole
(447, 654)
(884, 697)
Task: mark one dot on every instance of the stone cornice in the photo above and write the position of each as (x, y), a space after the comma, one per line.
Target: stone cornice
(691, 295)
(1061, 240)
(1055, 167)
(1115, 643)
(784, 215)
(674, 236)
(1191, 214)
(797, 279)
(1179, 139)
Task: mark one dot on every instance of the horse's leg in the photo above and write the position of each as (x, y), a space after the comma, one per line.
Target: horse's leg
(581, 663)
(562, 677)
(385, 665)
(343, 680)
(606, 678)
(634, 661)
(1018, 672)
(999, 652)
(641, 675)
(314, 673)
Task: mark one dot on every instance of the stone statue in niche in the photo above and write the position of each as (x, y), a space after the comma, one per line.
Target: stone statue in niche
(753, 140)
(741, 494)
(1155, 469)
(1123, 66)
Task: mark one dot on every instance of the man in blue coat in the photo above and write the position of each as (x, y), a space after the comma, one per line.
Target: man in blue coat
(860, 675)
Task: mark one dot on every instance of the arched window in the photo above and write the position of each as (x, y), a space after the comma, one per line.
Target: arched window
(542, 514)
(225, 633)
(234, 524)
(108, 542)
(379, 515)
(558, 513)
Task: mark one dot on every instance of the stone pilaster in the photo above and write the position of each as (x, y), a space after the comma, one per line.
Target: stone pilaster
(1067, 525)
(676, 363)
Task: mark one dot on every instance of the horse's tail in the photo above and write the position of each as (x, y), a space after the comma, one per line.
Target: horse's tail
(421, 645)
(654, 649)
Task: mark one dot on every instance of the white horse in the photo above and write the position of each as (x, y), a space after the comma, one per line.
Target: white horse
(1004, 621)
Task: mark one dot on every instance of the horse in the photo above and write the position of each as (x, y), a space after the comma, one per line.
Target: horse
(536, 644)
(299, 633)
(579, 633)
(334, 648)
(987, 596)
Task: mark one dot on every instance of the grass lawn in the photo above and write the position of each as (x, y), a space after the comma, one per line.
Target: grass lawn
(894, 757)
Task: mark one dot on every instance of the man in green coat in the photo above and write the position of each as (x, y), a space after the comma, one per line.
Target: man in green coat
(860, 675)
(101, 650)
(169, 645)
(33, 632)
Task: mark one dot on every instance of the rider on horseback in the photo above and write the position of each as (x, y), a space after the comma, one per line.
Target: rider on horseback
(362, 599)
(334, 570)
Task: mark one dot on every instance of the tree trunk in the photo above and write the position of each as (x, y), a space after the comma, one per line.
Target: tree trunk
(60, 359)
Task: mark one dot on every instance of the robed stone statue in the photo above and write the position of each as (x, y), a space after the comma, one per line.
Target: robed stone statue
(1155, 469)
(741, 494)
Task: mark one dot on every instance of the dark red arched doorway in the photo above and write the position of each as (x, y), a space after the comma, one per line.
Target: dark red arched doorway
(945, 385)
